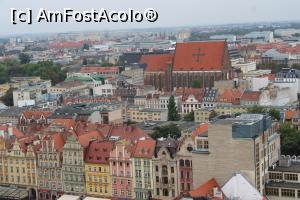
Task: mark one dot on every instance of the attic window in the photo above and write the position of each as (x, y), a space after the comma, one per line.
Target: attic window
(163, 153)
(98, 158)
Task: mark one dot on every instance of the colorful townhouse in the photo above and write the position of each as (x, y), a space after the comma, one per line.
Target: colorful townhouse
(97, 169)
(18, 165)
(142, 169)
(121, 170)
(73, 167)
(185, 163)
(49, 159)
(165, 169)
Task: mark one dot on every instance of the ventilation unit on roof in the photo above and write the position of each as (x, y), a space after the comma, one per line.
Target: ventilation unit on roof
(114, 138)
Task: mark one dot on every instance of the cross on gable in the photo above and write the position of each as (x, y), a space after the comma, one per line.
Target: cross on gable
(198, 55)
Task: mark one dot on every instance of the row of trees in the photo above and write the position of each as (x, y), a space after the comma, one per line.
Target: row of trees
(44, 69)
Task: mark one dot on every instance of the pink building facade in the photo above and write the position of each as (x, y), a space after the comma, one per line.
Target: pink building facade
(121, 171)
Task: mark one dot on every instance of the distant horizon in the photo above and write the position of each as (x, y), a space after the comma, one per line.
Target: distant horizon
(188, 13)
(3, 36)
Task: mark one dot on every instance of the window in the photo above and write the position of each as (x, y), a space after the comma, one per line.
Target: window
(157, 191)
(287, 192)
(165, 192)
(272, 191)
(164, 170)
(156, 168)
(291, 177)
(157, 179)
(275, 176)
(187, 162)
(172, 169)
(181, 163)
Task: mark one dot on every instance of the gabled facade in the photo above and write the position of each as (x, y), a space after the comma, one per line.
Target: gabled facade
(142, 169)
(18, 165)
(49, 167)
(165, 169)
(33, 117)
(73, 167)
(121, 171)
(185, 164)
(97, 169)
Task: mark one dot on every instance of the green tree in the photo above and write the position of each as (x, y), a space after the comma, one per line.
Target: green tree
(257, 110)
(8, 99)
(290, 140)
(171, 130)
(24, 58)
(212, 115)
(197, 84)
(86, 46)
(274, 113)
(189, 116)
(172, 110)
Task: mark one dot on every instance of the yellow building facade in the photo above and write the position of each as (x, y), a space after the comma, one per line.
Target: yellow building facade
(18, 165)
(98, 182)
(97, 169)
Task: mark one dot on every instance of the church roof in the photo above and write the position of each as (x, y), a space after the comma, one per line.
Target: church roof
(157, 62)
(199, 56)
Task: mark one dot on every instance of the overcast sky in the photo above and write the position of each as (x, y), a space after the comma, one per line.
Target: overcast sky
(171, 13)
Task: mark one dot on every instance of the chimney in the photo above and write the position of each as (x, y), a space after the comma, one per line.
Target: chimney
(10, 128)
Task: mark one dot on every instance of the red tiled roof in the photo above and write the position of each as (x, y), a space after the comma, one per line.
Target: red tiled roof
(59, 142)
(251, 96)
(98, 152)
(35, 114)
(289, 114)
(86, 138)
(67, 123)
(157, 62)
(202, 128)
(99, 69)
(186, 92)
(206, 190)
(144, 148)
(18, 133)
(231, 96)
(211, 56)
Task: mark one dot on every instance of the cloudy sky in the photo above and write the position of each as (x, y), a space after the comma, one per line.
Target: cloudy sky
(171, 13)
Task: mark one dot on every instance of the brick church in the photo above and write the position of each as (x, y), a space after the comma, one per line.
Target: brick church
(204, 62)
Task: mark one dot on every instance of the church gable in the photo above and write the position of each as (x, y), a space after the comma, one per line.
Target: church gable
(200, 56)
